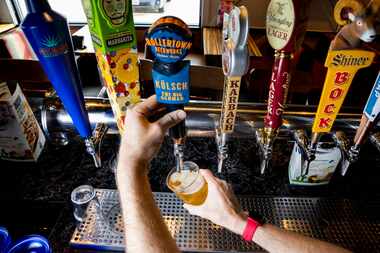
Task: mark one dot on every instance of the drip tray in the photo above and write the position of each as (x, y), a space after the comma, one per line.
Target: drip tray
(332, 220)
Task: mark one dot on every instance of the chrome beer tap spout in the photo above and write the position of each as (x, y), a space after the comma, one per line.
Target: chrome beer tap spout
(265, 138)
(178, 148)
(308, 148)
(90, 148)
(375, 140)
(300, 137)
(221, 141)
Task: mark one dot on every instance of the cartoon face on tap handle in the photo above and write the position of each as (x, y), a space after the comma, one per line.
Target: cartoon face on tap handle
(115, 10)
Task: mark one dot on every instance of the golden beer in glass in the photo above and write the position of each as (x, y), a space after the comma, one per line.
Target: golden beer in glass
(188, 184)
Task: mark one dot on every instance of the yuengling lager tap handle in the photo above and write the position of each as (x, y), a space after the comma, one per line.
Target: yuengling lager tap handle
(285, 29)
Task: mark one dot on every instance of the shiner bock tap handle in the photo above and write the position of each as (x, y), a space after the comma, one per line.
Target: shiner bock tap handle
(342, 66)
(343, 61)
(235, 63)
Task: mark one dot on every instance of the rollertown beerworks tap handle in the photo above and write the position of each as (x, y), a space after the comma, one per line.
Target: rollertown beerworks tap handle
(169, 39)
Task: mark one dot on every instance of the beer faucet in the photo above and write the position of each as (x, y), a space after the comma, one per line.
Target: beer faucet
(343, 61)
(285, 39)
(235, 59)
(369, 118)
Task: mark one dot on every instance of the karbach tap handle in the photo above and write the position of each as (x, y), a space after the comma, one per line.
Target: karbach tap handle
(235, 63)
(235, 59)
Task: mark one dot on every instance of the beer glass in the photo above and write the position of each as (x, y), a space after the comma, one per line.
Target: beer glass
(188, 184)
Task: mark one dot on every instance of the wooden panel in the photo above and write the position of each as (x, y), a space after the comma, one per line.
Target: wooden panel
(212, 42)
(22, 70)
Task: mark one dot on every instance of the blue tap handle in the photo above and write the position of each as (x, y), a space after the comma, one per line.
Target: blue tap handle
(49, 36)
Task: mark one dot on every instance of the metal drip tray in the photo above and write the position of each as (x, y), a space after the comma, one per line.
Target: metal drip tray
(332, 220)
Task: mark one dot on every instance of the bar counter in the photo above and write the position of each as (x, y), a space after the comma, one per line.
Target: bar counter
(36, 196)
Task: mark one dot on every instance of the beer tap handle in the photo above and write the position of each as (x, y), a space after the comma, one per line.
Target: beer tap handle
(370, 115)
(235, 65)
(48, 34)
(284, 39)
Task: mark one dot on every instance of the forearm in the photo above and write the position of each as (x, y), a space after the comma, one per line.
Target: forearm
(274, 239)
(145, 229)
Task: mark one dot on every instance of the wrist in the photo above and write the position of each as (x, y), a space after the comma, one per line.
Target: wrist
(237, 223)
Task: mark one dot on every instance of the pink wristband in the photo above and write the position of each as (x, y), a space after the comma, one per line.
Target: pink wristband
(250, 229)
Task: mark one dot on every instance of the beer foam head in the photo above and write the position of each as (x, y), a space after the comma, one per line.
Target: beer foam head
(180, 180)
(183, 179)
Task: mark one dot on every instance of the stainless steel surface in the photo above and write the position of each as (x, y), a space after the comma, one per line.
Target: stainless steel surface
(201, 118)
(334, 220)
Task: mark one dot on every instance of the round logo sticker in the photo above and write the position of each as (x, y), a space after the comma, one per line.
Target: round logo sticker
(280, 23)
(168, 40)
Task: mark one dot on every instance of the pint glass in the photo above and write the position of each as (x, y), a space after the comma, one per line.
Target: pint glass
(188, 184)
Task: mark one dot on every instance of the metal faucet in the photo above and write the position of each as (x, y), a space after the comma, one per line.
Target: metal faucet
(375, 140)
(265, 138)
(178, 148)
(221, 142)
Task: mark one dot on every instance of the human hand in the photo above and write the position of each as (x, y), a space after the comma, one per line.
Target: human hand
(142, 139)
(221, 206)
